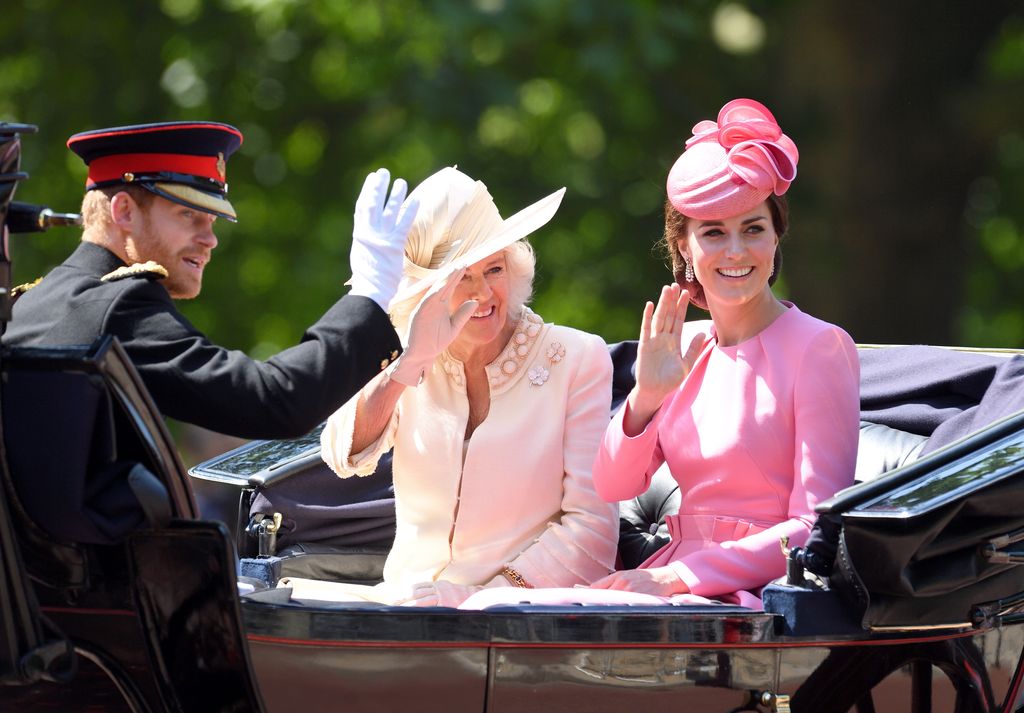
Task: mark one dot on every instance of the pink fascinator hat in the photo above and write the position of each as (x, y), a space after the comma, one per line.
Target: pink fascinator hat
(732, 165)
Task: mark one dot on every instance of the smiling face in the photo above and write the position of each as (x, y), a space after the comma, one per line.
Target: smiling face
(732, 258)
(487, 282)
(179, 238)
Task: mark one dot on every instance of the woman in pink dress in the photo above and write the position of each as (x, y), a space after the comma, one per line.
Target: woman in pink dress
(754, 412)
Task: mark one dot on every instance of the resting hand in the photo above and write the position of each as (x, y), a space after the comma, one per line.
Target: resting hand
(661, 365)
(440, 594)
(380, 227)
(660, 581)
(432, 327)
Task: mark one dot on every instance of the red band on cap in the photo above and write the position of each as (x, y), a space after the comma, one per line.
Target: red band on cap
(113, 168)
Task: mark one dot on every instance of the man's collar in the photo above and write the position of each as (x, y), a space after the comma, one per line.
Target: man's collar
(94, 258)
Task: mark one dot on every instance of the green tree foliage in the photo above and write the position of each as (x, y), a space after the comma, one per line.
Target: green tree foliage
(531, 95)
(993, 306)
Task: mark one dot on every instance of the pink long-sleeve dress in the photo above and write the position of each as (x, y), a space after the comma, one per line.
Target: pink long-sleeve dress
(756, 436)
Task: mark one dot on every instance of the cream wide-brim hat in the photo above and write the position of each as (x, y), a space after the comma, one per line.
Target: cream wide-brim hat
(457, 224)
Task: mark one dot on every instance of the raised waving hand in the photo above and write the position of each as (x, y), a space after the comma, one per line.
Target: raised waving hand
(380, 228)
(661, 364)
(432, 327)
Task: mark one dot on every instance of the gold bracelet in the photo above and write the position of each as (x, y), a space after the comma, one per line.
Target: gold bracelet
(516, 578)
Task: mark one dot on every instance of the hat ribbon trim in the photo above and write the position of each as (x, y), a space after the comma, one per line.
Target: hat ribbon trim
(113, 168)
(154, 128)
(763, 165)
(471, 227)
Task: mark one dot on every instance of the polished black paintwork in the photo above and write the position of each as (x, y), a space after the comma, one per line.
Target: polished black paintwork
(157, 610)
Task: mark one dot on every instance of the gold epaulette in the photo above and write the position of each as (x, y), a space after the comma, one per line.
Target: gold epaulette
(24, 287)
(148, 268)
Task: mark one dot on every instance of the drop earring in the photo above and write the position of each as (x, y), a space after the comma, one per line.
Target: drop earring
(688, 272)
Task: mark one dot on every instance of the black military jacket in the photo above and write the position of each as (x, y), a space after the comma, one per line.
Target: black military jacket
(190, 378)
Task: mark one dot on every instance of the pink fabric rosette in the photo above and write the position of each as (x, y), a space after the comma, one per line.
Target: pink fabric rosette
(732, 165)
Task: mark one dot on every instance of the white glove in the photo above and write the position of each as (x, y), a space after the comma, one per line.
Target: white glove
(432, 327)
(379, 231)
(440, 594)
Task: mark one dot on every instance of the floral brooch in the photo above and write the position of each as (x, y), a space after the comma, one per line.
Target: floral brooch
(555, 352)
(538, 375)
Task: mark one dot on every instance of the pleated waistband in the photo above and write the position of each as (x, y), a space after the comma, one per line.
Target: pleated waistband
(711, 528)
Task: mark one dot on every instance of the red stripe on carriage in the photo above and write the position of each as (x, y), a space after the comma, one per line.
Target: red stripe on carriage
(329, 643)
(808, 643)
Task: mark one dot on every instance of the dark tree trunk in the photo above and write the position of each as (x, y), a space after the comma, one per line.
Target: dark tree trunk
(886, 126)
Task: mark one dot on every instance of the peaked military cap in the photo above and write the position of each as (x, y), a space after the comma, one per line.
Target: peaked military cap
(182, 161)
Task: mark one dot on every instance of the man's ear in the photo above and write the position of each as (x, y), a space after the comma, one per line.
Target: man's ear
(123, 210)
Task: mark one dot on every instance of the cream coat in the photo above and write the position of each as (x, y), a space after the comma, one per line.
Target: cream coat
(524, 496)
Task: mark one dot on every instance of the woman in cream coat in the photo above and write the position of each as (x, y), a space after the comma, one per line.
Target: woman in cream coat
(495, 417)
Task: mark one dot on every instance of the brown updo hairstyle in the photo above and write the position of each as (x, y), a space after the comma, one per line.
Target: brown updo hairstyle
(675, 230)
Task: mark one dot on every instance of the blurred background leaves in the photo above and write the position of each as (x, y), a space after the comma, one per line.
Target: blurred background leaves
(908, 223)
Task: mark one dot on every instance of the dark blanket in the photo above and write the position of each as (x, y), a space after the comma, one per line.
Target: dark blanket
(318, 506)
(940, 393)
(623, 356)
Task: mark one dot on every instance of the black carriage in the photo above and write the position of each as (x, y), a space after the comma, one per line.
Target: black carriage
(121, 593)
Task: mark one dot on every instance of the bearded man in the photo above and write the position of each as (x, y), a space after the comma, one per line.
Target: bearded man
(153, 194)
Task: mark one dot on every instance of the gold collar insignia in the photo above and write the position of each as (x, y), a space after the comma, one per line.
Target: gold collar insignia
(148, 268)
(24, 287)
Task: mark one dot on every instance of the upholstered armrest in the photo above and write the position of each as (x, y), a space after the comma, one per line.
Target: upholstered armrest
(882, 449)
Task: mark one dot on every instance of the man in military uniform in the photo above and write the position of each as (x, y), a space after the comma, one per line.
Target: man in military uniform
(152, 196)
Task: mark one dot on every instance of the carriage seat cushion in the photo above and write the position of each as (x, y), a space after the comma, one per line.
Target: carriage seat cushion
(352, 564)
(642, 528)
(355, 565)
